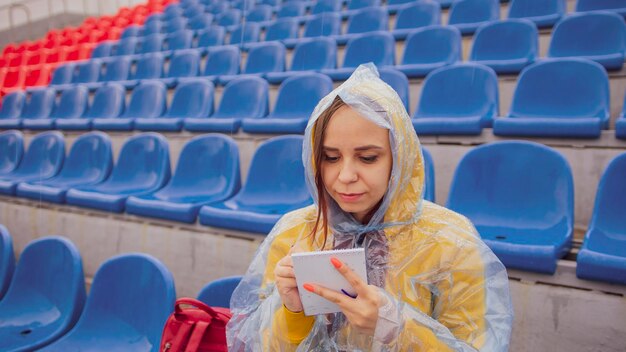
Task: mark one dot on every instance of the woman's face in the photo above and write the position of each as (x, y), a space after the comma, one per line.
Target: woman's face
(356, 163)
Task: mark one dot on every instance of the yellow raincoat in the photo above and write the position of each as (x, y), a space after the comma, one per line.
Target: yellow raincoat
(445, 289)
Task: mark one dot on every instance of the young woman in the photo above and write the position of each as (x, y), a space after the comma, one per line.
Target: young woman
(432, 283)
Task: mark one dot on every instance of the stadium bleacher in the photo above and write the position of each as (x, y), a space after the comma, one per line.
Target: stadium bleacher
(475, 75)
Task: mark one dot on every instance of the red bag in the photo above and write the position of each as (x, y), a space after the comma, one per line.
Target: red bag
(199, 329)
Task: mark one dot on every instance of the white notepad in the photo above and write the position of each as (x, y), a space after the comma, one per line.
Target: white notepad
(316, 268)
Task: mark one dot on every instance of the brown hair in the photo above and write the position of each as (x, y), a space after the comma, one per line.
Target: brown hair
(319, 132)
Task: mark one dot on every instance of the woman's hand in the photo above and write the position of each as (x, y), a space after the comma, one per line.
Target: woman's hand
(362, 311)
(286, 282)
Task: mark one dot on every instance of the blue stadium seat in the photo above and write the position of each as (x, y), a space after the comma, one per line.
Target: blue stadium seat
(243, 5)
(416, 15)
(7, 260)
(85, 72)
(42, 160)
(12, 105)
(38, 106)
(468, 15)
(155, 17)
(398, 81)
(143, 166)
(544, 13)
(108, 103)
(457, 100)
(558, 98)
(148, 66)
(11, 150)
(207, 171)
(291, 9)
(194, 10)
(262, 58)
(244, 97)
(62, 74)
(520, 197)
(222, 60)
(115, 69)
(620, 123)
(102, 50)
(89, 162)
(179, 40)
(356, 5)
(184, 63)
(152, 27)
(506, 46)
(312, 54)
(201, 21)
(394, 6)
(603, 254)
(132, 31)
(275, 186)
(130, 299)
(297, 97)
(174, 25)
(246, 33)
(147, 101)
(376, 47)
(46, 295)
(71, 105)
(218, 7)
(322, 25)
(172, 11)
(213, 36)
(193, 98)
(260, 13)
(286, 28)
(126, 46)
(599, 36)
(429, 48)
(322, 6)
(429, 176)
(228, 18)
(617, 6)
(150, 44)
(217, 292)
(370, 19)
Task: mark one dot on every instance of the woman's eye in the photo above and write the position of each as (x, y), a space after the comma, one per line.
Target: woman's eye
(369, 159)
(330, 159)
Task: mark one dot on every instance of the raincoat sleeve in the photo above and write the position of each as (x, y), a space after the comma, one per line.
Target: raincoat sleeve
(468, 308)
(260, 322)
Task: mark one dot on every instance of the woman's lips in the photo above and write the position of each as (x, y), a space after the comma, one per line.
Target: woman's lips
(350, 197)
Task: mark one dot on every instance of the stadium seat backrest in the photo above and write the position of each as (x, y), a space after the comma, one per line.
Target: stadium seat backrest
(432, 44)
(244, 97)
(266, 57)
(315, 54)
(376, 47)
(147, 100)
(465, 89)
(562, 88)
(90, 158)
(184, 64)
(471, 11)
(509, 39)
(7, 260)
(211, 37)
(12, 105)
(180, 40)
(398, 81)
(193, 99)
(586, 34)
(276, 174)
(419, 14)
(148, 66)
(39, 104)
(217, 293)
(282, 29)
(298, 95)
(144, 160)
(323, 25)
(44, 156)
(528, 8)
(245, 33)
(87, 71)
(368, 20)
(11, 150)
(223, 60)
(492, 185)
(62, 74)
(291, 9)
(108, 102)
(71, 104)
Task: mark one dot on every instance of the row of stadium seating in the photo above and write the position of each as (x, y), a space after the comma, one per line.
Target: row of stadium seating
(566, 98)
(534, 209)
(44, 305)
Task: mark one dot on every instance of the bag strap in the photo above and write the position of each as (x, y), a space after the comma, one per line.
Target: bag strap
(195, 339)
(195, 303)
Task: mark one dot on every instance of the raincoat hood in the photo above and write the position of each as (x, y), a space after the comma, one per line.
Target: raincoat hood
(376, 101)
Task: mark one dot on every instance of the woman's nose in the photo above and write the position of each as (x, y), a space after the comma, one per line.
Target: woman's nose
(347, 174)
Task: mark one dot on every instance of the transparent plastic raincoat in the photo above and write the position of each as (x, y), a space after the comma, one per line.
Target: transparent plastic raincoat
(445, 289)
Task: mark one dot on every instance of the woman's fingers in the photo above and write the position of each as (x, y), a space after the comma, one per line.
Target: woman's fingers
(353, 279)
(285, 272)
(338, 298)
